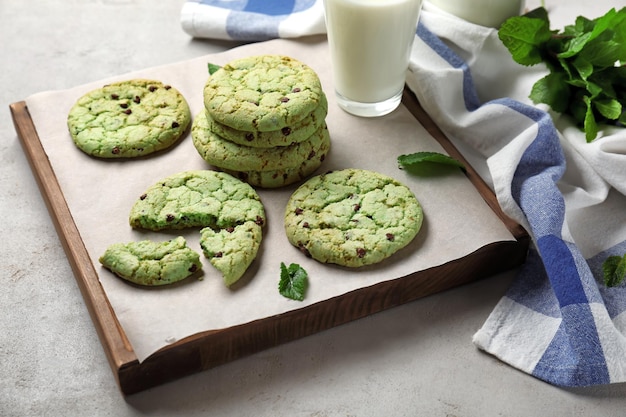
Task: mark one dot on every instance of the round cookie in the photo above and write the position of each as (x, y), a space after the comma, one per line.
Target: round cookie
(299, 132)
(352, 217)
(128, 119)
(282, 177)
(201, 198)
(228, 155)
(262, 93)
(152, 263)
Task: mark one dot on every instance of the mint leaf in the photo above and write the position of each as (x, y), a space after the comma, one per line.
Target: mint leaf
(524, 36)
(213, 68)
(293, 282)
(552, 90)
(602, 54)
(418, 158)
(614, 270)
(610, 108)
(589, 124)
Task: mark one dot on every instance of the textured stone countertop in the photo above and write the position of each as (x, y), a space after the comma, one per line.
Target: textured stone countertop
(413, 360)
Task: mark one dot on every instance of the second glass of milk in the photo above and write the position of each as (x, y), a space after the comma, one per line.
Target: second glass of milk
(490, 13)
(370, 43)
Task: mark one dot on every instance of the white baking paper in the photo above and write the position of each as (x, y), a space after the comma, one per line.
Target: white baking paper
(100, 194)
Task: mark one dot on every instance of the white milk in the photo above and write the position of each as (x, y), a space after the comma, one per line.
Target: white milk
(482, 12)
(370, 43)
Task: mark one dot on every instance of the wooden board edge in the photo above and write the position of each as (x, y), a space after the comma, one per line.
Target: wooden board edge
(112, 336)
(207, 350)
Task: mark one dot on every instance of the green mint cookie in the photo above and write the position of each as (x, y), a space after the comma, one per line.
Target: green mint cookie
(352, 217)
(285, 136)
(152, 263)
(128, 119)
(262, 93)
(225, 154)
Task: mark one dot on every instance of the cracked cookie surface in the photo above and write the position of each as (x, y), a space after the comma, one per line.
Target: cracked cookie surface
(225, 154)
(152, 263)
(285, 136)
(200, 198)
(262, 93)
(352, 217)
(128, 119)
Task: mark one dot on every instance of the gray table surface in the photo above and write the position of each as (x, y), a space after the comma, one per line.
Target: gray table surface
(414, 360)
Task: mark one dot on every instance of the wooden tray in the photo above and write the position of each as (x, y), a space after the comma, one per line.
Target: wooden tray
(205, 350)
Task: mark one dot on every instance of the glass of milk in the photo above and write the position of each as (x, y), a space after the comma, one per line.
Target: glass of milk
(370, 43)
(491, 13)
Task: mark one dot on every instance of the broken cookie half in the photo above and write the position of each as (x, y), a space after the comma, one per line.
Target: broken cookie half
(229, 211)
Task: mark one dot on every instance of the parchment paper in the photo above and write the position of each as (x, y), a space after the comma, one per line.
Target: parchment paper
(100, 194)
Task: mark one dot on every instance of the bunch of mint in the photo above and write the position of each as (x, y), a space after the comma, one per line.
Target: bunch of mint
(587, 78)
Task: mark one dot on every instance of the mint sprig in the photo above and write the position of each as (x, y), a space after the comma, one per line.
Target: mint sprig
(614, 270)
(586, 63)
(294, 281)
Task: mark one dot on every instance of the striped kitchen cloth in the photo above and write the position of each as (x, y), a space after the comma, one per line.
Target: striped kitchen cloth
(558, 321)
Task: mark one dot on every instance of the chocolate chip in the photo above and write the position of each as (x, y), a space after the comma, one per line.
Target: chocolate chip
(259, 220)
(218, 255)
(249, 137)
(304, 250)
(357, 207)
(390, 237)
(124, 105)
(128, 111)
(137, 99)
(115, 96)
(230, 229)
(284, 99)
(286, 131)
(143, 196)
(296, 90)
(360, 252)
(175, 124)
(152, 88)
(167, 87)
(193, 268)
(115, 150)
(298, 211)
(311, 155)
(170, 218)
(305, 225)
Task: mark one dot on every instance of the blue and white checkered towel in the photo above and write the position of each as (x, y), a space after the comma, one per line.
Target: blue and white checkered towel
(558, 321)
(253, 20)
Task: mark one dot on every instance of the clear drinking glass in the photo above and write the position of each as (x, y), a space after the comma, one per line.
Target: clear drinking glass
(370, 44)
(491, 13)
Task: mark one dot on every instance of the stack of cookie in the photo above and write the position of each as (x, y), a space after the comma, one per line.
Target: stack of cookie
(263, 121)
